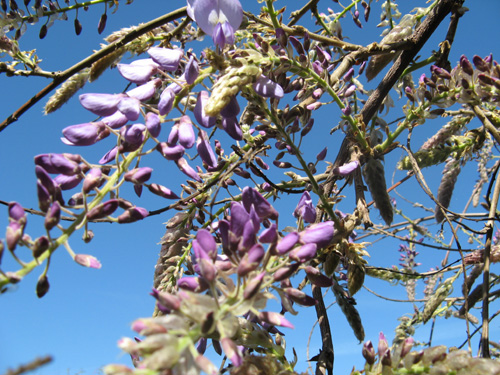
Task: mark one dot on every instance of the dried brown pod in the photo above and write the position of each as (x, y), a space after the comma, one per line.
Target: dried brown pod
(445, 190)
(374, 174)
(346, 304)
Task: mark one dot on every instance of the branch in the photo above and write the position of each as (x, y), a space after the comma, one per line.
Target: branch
(87, 62)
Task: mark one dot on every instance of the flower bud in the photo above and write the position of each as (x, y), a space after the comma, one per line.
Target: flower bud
(53, 216)
(267, 88)
(187, 170)
(317, 278)
(16, 213)
(299, 297)
(205, 150)
(275, 319)
(102, 210)
(232, 352)
(192, 70)
(39, 246)
(13, 234)
(58, 163)
(138, 175)
(87, 261)
(42, 286)
(153, 124)
(92, 180)
(251, 260)
(85, 134)
(166, 102)
(170, 153)
(162, 191)
(287, 243)
(167, 300)
(321, 234)
(167, 58)
(285, 272)
(44, 198)
(253, 286)
(199, 111)
(132, 215)
(368, 352)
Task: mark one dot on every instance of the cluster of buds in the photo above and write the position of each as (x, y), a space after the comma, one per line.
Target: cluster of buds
(402, 360)
(231, 262)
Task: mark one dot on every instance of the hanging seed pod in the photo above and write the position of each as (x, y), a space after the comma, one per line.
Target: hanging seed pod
(102, 23)
(78, 27)
(445, 191)
(350, 312)
(374, 174)
(43, 32)
(42, 286)
(355, 278)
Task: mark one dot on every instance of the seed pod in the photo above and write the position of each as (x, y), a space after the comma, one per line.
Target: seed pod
(102, 23)
(355, 278)
(445, 191)
(43, 32)
(78, 27)
(374, 174)
(42, 286)
(350, 312)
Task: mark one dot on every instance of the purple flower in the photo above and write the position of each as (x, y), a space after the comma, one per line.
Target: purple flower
(187, 169)
(368, 352)
(100, 104)
(251, 260)
(191, 71)
(206, 241)
(139, 71)
(58, 163)
(67, 182)
(186, 132)
(218, 18)
(102, 210)
(199, 111)
(13, 234)
(287, 243)
(145, 91)
(322, 154)
(275, 319)
(16, 212)
(205, 150)
(305, 208)
(167, 58)
(321, 234)
(87, 261)
(110, 155)
(53, 216)
(232, 127)
(267, 88)
(232, 109)
(230, 349)
(153, 124)
(138, 175)
(116, 120)
(303, 253)
(346, 169)
(252, 198)
(383, 346)
(192, 283)
(162, 191)
(270, 235)
(85, 134)
(132, 215)
(170, 153)
(166, 101)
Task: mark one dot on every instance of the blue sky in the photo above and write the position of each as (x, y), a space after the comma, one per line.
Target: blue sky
(86, 311)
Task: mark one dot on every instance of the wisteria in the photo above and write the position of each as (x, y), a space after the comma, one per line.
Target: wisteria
(236, 118)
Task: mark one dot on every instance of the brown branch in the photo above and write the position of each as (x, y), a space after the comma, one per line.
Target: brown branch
(295, 16)
(30, 366)
(326, 357)
(87, 62)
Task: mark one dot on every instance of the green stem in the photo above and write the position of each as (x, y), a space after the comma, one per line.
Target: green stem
(272, 13)
(69, 8)
(64, 237)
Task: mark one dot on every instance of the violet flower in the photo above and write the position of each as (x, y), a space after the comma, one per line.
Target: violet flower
(166, 102)
(84, 134)
(87, 261)
(346, 169)
(58, 163)
(102, 210)
(162, 191)
(187, 169)
(138, 175)
(16, 212)
(186, 132)
(321, 234)
(305, 209)
(153, 124)
(191, 71)
(139, 71)
(132, 215)
(67, 182)
(205, 150)
(199, 111)
(267, 88)
(167, 58)
(53, 216)
(217, 18)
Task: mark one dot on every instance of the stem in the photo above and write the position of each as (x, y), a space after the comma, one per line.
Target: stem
(272, 13)
(69, 8)
(80, 219)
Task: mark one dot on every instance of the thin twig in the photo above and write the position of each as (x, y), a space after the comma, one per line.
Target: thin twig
(87, 62)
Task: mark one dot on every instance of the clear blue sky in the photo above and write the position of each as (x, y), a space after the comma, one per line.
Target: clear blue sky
(86, 311)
